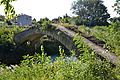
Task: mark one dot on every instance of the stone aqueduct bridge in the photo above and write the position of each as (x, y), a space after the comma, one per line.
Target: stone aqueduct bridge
(64, 36)
(34, 34)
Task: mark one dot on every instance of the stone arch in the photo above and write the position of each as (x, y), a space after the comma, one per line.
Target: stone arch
(33, 35)
(65, 36)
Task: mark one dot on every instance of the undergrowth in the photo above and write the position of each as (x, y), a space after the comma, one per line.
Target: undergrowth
(86, 66)
(109, 34)
(42, 67)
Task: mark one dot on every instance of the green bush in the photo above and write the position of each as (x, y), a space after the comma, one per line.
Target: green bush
(109, 34)
(41, 67)
(87, 66)
(7, 44)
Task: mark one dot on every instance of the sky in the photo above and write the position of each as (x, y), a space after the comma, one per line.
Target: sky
(49, 8)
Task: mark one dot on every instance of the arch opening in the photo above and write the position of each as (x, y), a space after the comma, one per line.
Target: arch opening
(34, 35)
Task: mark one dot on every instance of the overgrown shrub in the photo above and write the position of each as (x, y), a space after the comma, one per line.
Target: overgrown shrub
(109, 34)
(42, 67)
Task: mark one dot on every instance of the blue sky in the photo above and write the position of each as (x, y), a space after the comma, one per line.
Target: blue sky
(49, 8)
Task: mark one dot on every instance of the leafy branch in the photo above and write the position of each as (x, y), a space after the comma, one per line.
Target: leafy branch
(8, 8)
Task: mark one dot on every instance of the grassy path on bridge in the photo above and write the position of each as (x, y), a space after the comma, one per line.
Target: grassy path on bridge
(92, 44)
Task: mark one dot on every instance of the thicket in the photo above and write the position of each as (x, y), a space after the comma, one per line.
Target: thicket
(7, 44)
(109, 34)
(41, 67)
(11, 53)
(86, 66)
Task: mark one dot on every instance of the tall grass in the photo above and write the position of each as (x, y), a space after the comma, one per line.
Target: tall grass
(42, 67)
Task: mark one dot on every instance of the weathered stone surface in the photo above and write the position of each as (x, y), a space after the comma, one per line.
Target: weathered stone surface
(65, 36)
(33, 35)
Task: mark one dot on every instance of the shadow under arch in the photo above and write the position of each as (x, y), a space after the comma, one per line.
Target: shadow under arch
(34, 34)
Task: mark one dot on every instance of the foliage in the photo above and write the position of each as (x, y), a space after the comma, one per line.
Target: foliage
(65, 19)
(66, 24)
(41, 67)
(86, 8)
(45, 24)
(42, 20)
(76, 20)
(51, 46)
(115, 19)
(87, 66)
(9, 22)
(7, 44)
(34, 21)
(9, 49)
(117, 6)
(7, 33)
(8, 8)
(2, 18)
(109, 34)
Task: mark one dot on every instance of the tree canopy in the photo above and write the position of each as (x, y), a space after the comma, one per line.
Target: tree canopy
(91, 12)
(117, 6)
(8, 8)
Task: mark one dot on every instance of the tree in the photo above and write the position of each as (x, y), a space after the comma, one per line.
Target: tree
(91, 12)
(115, 19)
(8, 8)
(34, 21)
(8, 22)
(65, 19)
(117, 6)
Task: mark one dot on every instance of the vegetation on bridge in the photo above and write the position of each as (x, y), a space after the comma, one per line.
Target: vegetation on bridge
(39, 65)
